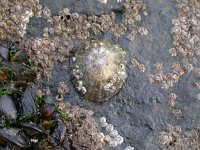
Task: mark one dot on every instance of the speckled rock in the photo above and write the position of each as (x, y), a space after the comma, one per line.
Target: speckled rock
(139, 111)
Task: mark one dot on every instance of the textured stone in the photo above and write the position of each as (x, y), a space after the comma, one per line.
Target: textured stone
(139, 111)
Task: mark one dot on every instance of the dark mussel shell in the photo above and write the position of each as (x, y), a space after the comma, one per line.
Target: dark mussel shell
(58, 133)
(48, 111)
(4, 52)
(7, 49)
(15, 136)
(7, 74)
(8, 110)
(27, 105)
(11, 72)
(20, 57)
(23, 72)
(4, 146)
(32, 129)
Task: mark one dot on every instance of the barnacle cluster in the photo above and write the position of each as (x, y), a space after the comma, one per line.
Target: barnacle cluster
(78, 26)
(167, 80)
(14, 16)
(185, 32)
(66, 26)
(98, 70)
(141, 67)
(62, 89)
(113, 138)
(171, 104)
(186, 38)
(98, 66)
(186, 35)
(175, 139)
(44, 53)
(86, 135)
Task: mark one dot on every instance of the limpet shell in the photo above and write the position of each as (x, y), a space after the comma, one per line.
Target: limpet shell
(98, 70)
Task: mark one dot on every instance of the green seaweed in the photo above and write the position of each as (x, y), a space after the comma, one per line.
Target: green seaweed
(40, 101)
(14, 123)
(64, 116)
(5, 91)
(11, 52)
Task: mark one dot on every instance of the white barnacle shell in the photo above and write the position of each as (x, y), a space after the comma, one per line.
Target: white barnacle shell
(75, 15)
(12, 9)
(115, 77)
(143, 31)
(113, 133)
(122, 66)
(34, 140)
(107, 86)
(122, 74)
(21, 33)
(129, 148)
(74, 71)
(109, 127)
(39, 7)
(73, 59)
(24, 18)
(80, 83)
(176, 30)
(112, 88)
(138, 18)
(79, 88)
(101, 136)
(2, 23)
(66, 11)
(119, 139)
(104, 124)
(78, 77)
(46, 12)
(113, 143)
(76, 66)
(102, 120)
(145, 13)
(119, 1)
(108, 138)
(28, 12)
(83, 89)
(18, 6)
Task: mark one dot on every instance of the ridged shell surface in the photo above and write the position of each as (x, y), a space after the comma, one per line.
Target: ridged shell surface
(98, 70)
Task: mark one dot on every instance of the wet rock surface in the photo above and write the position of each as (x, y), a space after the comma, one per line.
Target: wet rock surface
(139, 111)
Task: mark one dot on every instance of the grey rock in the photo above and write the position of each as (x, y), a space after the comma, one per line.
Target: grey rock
(139, 111)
